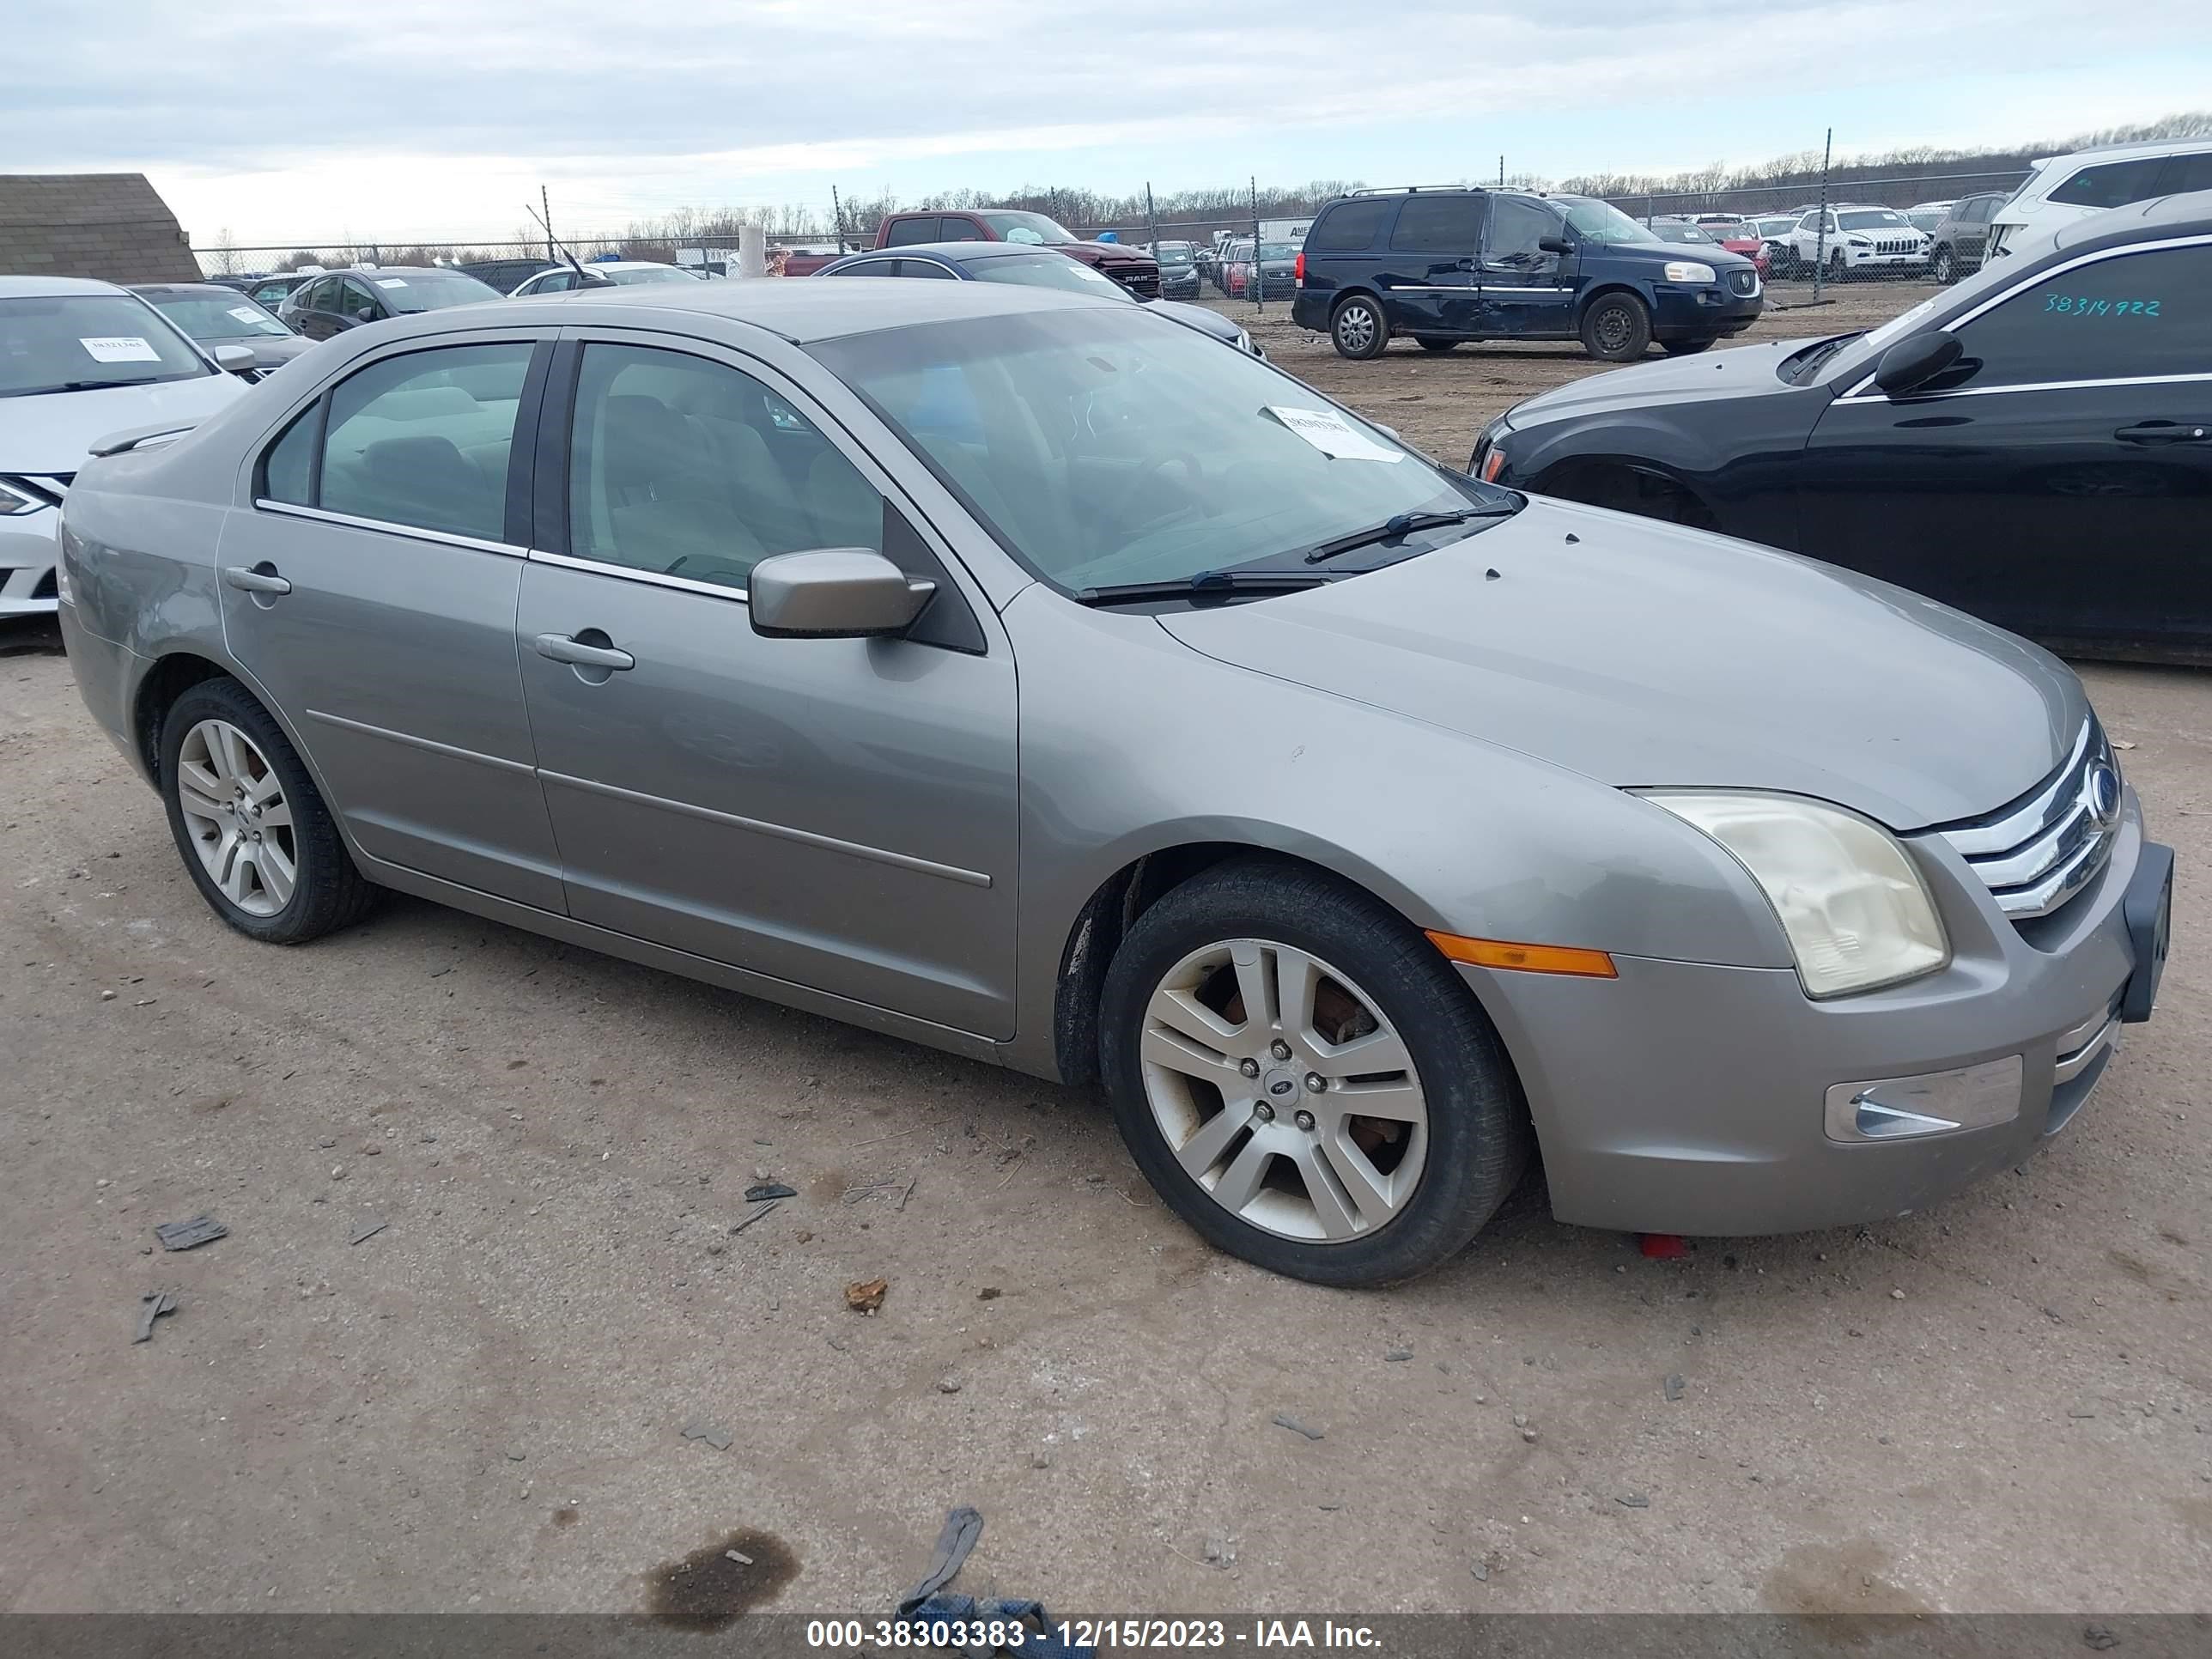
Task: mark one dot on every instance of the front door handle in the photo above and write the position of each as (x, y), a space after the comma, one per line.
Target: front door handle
(262, 579)
(560, 648)
(2164, 432)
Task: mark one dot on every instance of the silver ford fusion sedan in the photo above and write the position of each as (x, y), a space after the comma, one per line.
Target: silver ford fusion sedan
(1009, 671)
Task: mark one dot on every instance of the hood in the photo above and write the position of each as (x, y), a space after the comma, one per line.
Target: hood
(1201, 318)
(1710, 254)
(272, 352)
(1104, 253)
(1744, 372)
(1643, 654)
(55, 432)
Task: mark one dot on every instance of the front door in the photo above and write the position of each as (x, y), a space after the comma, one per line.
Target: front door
(1427, 276)
(838, 814)
(1525, 290)
(370, 592)
(2061, 482)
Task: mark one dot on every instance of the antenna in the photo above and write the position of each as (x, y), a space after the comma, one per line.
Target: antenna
(551, 241)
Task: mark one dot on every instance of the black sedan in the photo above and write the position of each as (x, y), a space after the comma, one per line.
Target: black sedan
(216, 315)
(2033, 445)
(1027, 264)
(340, 299)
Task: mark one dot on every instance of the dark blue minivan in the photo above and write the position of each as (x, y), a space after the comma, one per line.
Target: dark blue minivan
(1453, 264)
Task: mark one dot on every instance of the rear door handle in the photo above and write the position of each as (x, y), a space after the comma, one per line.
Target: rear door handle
(2164, 432)
(255, 581)
(560, 648)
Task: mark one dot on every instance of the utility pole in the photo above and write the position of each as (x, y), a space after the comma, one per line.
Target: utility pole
(838, 212)
(545, 218)
(1151, 221)
(1501, 172)
(1820, 236)
(1252, 280)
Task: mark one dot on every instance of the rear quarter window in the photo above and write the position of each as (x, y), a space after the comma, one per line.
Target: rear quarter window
(1350, 227)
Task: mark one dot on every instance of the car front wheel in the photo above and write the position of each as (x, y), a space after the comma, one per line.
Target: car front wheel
(1359, 328)
(1303, 1077)
(1616, 328)
(1944, 268)
(256, 838)
(1684, 348)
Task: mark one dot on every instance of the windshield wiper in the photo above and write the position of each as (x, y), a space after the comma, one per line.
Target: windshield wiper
(1809, 364)
(81, 386)
(1204, 585)
(1403, 524)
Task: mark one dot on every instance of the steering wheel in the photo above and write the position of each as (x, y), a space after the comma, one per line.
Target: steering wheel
(1191, 503)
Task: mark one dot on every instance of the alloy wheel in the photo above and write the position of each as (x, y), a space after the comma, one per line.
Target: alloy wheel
(1355, 327)
(1284, 1092)
(239, 822)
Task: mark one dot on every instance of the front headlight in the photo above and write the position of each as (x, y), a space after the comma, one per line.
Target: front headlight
(1849, 898)
(1688, 270)
(13, 502)
(1244, 340)
(1859, 241)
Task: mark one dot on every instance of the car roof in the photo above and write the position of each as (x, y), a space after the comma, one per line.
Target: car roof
(2121, 152)
(152, 288)
(798, 308)
(2189, 215)
(53, 288)
(956, 251)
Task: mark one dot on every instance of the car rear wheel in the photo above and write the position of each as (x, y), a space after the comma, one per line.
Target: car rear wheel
(1837, 266)
(1684, 348)
(1944, 267)
(1304, 1079)
(256, 838)
(1616, 328)
(1359, 328)
(1434, 343)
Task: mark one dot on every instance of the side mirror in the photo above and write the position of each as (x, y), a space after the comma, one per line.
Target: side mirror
(234, 359)
(1555, 245)
(365, 314)
(1912, 364)
(833, 593)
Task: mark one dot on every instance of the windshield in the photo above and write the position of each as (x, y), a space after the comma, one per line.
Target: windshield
(647, 274)
(1046, 270)
(86, 341)
(1174, 253)
(218, 316)
(1593, 221)
(1102, 448)
(1026, 228)
(1874, 219)
(1682, 233)
(409, 291)
(1278, 250)
(1777, 227)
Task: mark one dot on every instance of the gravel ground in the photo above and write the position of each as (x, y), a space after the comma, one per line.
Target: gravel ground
(2000, 1405)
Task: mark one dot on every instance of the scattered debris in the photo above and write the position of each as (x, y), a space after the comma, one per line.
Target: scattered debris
(2097, 1636)
(769, 1208)
(1397, 1354)
(1673, 1386)
(1897, 1295)
(1039, 1461)
(718, 1438)
(866, 1296)
(963, 1527)
(948, 1385)
(1481, 1572)
(189, 1234)
(2124, 742)
(108, 996)
(737, 1556)
(1218, 1550)
(854, 1194)
(369, 1229)
(989, 1293)
(770, 1189)
(516, 1454)
(2081, 1413)
(908, 1193)
(1296, 1427)
(1664, 1246)
(1633, 1500)
(151, 1307)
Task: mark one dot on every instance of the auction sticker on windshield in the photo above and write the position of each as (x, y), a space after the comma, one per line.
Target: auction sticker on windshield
(1333, 435)
(391, 281)
(120, 349)
(245, 315)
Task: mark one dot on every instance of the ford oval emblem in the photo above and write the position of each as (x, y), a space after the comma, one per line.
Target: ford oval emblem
(2101, 794)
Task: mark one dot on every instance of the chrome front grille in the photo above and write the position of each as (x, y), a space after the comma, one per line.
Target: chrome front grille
(2038, 853)
(1898, 245)
(1744, 281)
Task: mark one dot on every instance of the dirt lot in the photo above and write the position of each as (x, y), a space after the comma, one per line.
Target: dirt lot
(1999, 1404)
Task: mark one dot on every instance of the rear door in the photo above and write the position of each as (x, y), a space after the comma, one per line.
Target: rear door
(838, 814)
(1427, 276)
(914, 227)
(1525, 290)
(370, 591)
(2062, 486)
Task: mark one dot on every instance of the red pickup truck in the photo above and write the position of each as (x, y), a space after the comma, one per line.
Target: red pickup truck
(1135, 269)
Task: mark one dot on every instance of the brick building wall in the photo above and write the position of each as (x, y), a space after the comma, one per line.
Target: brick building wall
(109, 225)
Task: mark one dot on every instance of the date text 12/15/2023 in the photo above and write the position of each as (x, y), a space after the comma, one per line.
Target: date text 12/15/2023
(1105, 1635)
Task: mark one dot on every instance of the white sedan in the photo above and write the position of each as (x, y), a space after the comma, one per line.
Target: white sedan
(563, 279)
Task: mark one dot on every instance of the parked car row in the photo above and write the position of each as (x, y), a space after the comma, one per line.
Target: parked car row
(990, 664)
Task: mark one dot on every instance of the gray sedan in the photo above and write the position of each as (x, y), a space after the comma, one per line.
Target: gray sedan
(992, 666)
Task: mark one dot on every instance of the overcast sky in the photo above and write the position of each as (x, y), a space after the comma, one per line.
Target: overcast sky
(438, 119)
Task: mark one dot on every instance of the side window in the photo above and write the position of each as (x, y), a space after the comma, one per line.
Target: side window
(1514, 229)
(354, 298)
(1437, 224)
(287, 468)
(958, 227)
(312, 295)
(907, 232)
(691, 468)
(2114, 184)
(2184, 173)
(423, 439)
(1350, 227)
(2133, 314)
(923, 268)
(868, 268)
(270, 295)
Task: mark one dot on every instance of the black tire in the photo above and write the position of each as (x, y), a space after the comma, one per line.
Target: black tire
(1944, 267)
(1359, 328)
(1838, 267)
(1616, 328)
(1478, 1131)
(329, 891)
(1685, 348)
(1433, 343)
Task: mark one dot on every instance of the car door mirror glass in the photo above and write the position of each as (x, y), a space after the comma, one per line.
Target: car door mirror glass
(1910, 364)
(832, 593)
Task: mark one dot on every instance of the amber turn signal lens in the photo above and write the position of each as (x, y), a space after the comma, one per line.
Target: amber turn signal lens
(1493, 464)
(1525, 959)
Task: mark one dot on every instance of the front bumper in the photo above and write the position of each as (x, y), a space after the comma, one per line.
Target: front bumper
(1858, 260)
(1183, 287)
(30, 543)
(1689, 1097)
(1694, 312)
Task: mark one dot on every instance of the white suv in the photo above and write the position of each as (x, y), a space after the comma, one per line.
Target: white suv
(2064, 188)
(1857, 239)
(79, 360)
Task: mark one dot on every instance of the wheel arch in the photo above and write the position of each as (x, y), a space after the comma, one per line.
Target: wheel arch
(1612, 285)
(1628, 484)
(174, 672)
